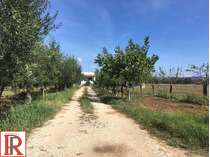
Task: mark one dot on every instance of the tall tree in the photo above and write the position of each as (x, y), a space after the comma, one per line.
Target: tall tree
(23, 23)
(131, 65)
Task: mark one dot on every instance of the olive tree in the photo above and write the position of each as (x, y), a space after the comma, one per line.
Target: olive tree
(200, 72)
(22, 24)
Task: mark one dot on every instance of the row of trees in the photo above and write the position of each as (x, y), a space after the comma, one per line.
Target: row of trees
(25, 61)
(48, 68)
(129, 66)
(172, 77)
(132, 66)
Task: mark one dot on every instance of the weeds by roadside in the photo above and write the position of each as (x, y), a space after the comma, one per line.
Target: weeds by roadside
(85, 104)
(189, 98)
(179, 129)
(31, 115)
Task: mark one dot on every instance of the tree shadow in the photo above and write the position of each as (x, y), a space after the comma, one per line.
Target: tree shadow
(109, 99)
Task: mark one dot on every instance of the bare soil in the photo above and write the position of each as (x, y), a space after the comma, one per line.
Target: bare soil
(106, 133)
(155, 103)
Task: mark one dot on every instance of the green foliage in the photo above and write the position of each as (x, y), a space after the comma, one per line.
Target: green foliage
(23, 24)
(181, 129)
(49, 68)
(28, 116)
(70, 72)
(129, 66)
(85, 104)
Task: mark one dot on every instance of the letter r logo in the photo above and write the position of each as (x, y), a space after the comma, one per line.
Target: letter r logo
(13, 143)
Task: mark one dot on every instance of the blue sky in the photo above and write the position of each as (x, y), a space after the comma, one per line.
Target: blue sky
(178, 29)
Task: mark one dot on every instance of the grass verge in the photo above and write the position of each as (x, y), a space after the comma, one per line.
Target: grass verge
(85, 104)
(31, 115)
(180, 129)
(189, 98)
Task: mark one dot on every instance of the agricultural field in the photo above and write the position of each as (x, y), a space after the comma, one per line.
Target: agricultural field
(181, 89)
(187, 98)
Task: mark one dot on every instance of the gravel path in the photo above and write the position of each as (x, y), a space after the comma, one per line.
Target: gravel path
(106, 133)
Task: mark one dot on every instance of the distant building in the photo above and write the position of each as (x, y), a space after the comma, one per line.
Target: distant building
(89, 77)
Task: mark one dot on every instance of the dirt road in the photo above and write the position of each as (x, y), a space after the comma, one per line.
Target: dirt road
(106, 133)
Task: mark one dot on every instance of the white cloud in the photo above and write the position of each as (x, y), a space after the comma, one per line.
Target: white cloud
(79, 59)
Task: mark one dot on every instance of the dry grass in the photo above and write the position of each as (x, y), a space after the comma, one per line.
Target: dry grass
(181, 89)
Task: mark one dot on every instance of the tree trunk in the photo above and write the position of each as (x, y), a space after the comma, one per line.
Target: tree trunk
(205, 89)
(43, 91)
(56, 88)
(1, 90)
(113, 90)
(129, 95)
(28, 97)
(118, 90)
(170, 88)
(15, 89)
(205, 86)
(122, 90)
(140, 86)
(126, 90)
(153, 89)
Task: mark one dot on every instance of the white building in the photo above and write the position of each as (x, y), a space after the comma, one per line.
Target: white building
(89, 77)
